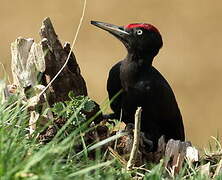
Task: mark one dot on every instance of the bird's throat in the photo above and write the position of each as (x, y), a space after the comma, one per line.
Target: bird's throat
(130, 70)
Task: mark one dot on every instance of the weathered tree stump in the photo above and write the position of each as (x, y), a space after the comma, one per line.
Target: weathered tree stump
(70, 78)
(30, 59)
(36, 66)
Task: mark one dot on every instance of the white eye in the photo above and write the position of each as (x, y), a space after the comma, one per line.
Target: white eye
(139, 32)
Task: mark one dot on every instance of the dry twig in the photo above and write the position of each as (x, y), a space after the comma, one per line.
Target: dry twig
(136, 140)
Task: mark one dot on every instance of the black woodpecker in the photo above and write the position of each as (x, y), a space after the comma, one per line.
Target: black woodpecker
(141, 84)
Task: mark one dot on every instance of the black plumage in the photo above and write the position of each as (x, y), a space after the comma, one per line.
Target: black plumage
(141, 84)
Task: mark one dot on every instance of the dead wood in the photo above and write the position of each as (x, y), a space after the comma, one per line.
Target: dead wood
(136, 140)
(70, 79)
(34, 65)
(175, 154)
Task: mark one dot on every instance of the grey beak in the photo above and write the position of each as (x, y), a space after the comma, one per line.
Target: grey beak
(117, 31)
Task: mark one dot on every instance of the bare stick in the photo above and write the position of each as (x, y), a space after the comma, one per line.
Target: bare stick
(136, 140)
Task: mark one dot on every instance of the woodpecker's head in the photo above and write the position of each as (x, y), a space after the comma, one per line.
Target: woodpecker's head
(140, 38)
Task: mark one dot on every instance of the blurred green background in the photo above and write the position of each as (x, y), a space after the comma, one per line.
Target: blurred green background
(190, 58)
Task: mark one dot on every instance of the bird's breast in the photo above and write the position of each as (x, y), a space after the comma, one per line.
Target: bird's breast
(128, 74)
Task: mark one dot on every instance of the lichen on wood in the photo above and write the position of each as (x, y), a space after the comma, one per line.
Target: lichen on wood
(27, 62)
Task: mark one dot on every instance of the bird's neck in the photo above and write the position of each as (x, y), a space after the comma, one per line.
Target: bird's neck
(132, 67)
(142, 60)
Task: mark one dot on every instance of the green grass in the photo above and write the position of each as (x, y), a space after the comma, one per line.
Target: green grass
(23, 157)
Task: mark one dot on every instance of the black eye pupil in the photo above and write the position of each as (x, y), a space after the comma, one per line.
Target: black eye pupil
(139, 32)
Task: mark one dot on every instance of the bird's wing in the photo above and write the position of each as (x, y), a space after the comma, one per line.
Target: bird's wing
(169, 108)
(114, 88)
